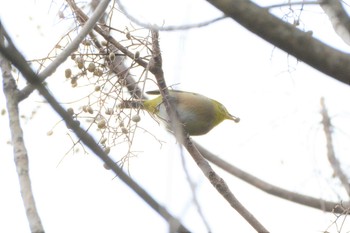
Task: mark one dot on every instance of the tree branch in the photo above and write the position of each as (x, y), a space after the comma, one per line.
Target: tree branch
(288, 38)
(166, 28)
(327, 127)
(12, 54)
(338, 17)
(219, 184)
(19, 149)
(272, 189)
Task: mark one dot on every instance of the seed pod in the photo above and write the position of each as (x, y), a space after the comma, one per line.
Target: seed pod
(86, 42)
(91, 67)
(136, 118)
(98, 72)
(84, 108)
(68, 73)
(124, 130)
(74, 84)
(101, 124)
(103, 140)
(97, 88)
(111, 56)
(89, 110)
(80, 62)
(80, 65)
(137, 55)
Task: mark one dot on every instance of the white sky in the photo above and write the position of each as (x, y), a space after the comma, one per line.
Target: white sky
(279, 138)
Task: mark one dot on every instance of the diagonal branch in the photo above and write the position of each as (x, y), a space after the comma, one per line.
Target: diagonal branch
(19, 149)
(327, 127)
(272, 189)
(12, 54)
(288, 38)
(165, 28)
(219, 184)
(338, 17)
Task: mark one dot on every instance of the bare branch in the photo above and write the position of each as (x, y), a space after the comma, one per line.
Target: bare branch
(289, 4)
(12, 54)
(166, 28)
(19, 149)
(272, 189)
(194, 193)
(288, 38)
(219, 184)
(327, 127)
(51, 68)
(338, 17)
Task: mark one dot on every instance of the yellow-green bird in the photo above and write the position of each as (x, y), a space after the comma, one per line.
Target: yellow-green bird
(198, 114)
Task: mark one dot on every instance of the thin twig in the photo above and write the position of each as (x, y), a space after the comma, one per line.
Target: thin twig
(289, 4)
(166, 28)
(327, 127)
(194, 193)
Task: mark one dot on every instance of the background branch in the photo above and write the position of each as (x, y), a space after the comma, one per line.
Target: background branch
(327, 127)
(272, 189)
(338, 17)
(288, 38)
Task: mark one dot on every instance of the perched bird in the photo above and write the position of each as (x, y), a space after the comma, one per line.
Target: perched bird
(198, 114)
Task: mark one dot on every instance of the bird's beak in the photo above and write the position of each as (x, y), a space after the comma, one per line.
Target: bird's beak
(235, 119)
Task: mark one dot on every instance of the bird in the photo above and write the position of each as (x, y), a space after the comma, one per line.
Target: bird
(197, 113)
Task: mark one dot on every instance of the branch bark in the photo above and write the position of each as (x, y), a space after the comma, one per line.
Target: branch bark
(288, 38)
(327, 127)
(320, 204)
(19, 148)
(218, 183)
(338, 17)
